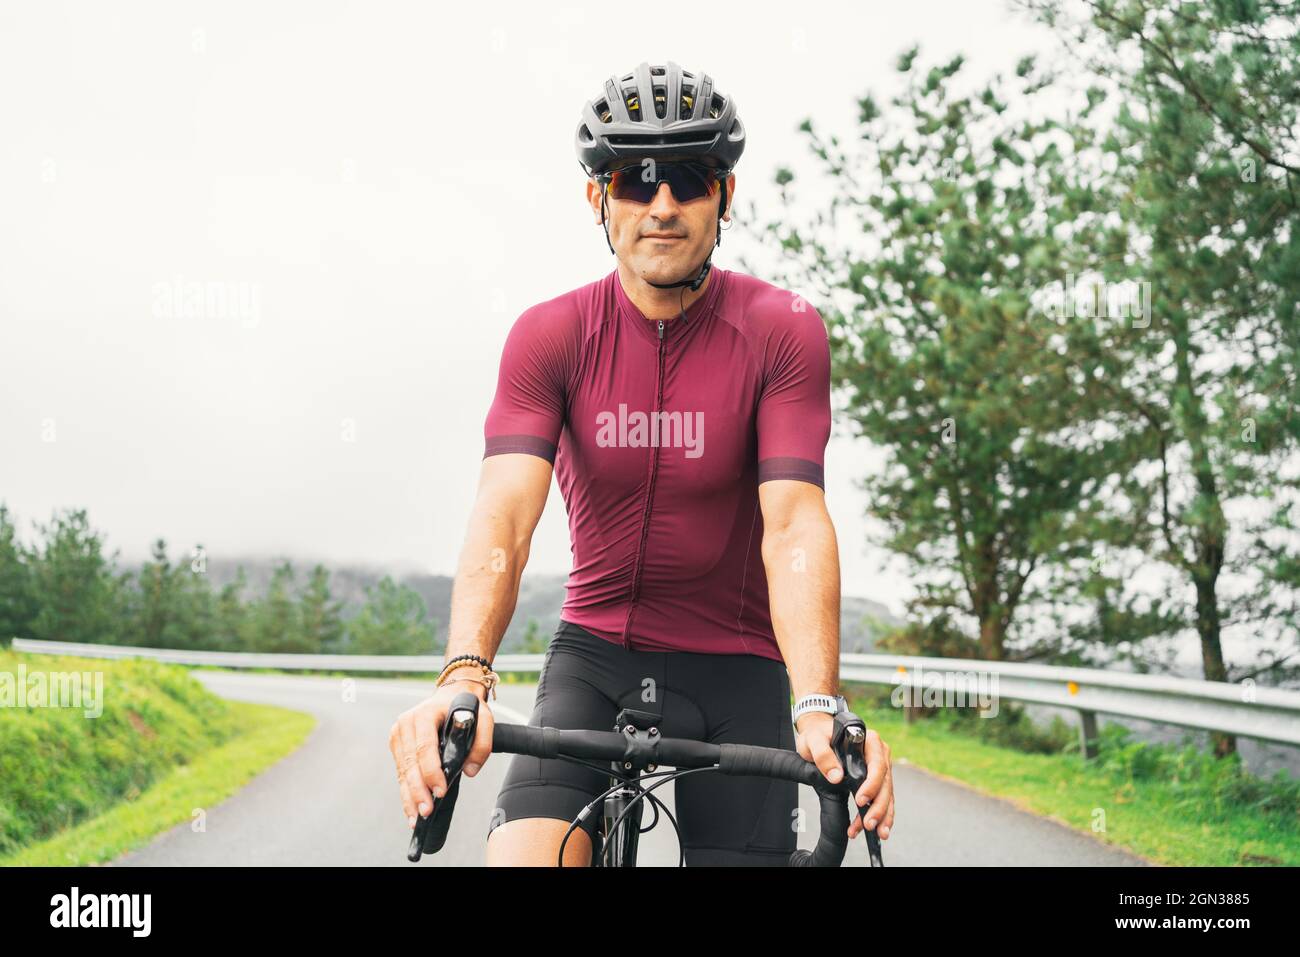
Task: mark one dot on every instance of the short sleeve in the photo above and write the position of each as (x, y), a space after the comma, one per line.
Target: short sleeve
(794, 408)
(527, 412)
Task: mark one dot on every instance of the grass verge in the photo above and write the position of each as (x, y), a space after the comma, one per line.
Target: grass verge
(262, 736)
(96, 751)
(1169, 805)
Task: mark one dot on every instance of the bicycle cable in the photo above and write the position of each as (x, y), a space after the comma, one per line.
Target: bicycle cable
(670, 776)
(656, 804)
(606, 793)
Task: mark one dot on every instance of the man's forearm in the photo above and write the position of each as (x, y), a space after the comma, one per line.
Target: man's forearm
(803, 583)
(486, 588)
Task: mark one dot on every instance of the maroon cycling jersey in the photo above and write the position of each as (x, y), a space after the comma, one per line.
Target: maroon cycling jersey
(660, 433)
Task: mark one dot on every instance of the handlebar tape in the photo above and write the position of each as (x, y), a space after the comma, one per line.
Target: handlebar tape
(601, 746)
(833, 839)
(523, 739)
(770, 763)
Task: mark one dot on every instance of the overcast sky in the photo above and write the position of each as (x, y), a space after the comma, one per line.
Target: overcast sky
(375, 190)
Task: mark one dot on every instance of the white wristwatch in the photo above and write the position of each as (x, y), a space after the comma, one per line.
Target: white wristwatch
(824, 703)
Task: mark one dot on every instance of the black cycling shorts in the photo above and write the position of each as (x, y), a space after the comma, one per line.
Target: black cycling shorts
(742, 699)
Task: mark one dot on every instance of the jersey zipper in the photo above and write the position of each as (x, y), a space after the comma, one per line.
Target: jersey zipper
(649, 496)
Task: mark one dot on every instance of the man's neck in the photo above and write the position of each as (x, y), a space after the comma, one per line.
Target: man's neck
(657, 303)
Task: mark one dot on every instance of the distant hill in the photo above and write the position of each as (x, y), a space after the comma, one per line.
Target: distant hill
(540, 597)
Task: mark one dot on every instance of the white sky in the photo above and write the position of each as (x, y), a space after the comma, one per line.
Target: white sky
(393, 183)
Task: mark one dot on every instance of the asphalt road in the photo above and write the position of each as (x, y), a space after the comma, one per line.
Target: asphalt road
(335, 802)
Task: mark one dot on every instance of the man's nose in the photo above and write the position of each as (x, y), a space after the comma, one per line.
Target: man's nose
(664, 205)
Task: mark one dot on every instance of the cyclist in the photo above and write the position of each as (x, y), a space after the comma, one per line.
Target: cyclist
(685, 410)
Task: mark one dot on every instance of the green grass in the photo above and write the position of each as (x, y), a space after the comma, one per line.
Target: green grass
(79, 789)
(1169, 805)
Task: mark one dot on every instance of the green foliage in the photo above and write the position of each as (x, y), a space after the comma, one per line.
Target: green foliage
(62, 766)
(18, 605)
(322, 624)
(393, 621)
(990, 406)
(78, 595)
(232, 616)
(171, 606)
(1205, 157)
(1204, 785)
(1039, 458)
(275, 620)
(1010, 728)
(534, 641)
(65, 589)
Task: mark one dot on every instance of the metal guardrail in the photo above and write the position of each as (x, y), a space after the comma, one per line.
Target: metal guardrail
(1245, 709)
(418, 664)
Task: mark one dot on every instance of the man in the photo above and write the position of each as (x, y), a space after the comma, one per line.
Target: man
(685, 410)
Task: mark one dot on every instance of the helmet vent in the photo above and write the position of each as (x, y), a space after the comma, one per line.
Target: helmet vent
(633, 102)
(602, 110)
(661, 102)
(716, 106)
(688, 102)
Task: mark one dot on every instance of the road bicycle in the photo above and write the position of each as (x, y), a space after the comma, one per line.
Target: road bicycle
(635, 751)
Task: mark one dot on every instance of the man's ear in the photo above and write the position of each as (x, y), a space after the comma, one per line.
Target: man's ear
(731, 196)
(593, 199)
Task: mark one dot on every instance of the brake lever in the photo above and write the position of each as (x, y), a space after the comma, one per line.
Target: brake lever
(849, 741)
(454, 745)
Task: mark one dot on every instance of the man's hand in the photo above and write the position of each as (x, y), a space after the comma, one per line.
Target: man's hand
(413, 740)
(813, 742)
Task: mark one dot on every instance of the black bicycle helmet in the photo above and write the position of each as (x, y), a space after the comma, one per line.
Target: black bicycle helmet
(659, 111)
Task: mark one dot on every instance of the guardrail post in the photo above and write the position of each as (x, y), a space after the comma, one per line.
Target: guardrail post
(1088, 734)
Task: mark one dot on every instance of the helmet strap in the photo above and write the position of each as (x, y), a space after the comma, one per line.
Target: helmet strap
(698, 280)
(604, 221)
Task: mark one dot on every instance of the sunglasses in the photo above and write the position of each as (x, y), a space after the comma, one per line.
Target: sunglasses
(639, 184)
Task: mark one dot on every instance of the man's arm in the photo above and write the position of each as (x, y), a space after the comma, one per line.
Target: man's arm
(520, 442)
(801, 557)
(512, 492)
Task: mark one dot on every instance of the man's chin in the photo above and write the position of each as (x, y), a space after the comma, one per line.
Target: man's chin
(657, 269)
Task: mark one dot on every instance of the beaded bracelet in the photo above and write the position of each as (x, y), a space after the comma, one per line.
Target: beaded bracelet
(483, 661)
(488, 679)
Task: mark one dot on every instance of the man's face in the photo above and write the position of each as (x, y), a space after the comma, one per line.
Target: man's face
(663, 240)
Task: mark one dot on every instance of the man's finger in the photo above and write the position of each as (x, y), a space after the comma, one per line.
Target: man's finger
(412, 772)
(880, 802)
(887, 819)
(482, 748)
(408, 804)
(824, 757)
(877, 769)
(801, 746)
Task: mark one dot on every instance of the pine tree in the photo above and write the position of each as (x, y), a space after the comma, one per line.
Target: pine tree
(80, 597)
(393, 621)
(276, 620)
(17, 596)
(322, 623)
